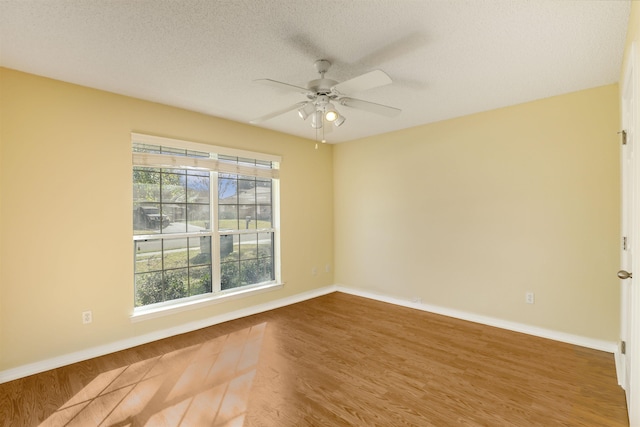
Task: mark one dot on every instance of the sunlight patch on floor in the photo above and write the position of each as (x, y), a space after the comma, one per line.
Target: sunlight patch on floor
(205, 384)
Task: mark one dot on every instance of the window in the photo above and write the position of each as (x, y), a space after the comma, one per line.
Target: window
(204, 221)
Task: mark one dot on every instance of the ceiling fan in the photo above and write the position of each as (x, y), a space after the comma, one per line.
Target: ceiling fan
(322, 93)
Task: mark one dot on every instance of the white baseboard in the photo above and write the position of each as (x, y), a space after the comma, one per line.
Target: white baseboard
(608, 346)
(67, 359)
(78, 356)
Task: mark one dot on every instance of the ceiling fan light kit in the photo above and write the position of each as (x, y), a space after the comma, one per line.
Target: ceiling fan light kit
(321, 92)
(330, 113)
(316, 120)
(306, 110)
(339, 121)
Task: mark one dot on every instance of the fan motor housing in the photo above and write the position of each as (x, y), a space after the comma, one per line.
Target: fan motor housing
(321, 86)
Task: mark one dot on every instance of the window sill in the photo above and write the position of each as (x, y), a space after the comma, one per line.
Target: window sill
(146, 313)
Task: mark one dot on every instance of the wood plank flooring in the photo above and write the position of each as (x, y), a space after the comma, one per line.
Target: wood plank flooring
(337, 360)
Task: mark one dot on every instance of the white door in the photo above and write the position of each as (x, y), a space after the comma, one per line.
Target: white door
(630, 303)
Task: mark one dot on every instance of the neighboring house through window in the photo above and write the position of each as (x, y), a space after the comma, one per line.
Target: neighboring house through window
(205, 221)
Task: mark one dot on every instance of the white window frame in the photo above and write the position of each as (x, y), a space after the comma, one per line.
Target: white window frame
(183, 162)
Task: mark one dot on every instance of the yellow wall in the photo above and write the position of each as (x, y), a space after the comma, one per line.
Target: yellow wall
(65, 213)
(471, 213)
(467, 214)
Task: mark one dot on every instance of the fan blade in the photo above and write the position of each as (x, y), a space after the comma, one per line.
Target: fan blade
(372, 107)
(280, 85)
(365, 81)
(277, 113)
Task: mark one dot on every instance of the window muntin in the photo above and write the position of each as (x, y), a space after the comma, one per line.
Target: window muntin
(191, 204)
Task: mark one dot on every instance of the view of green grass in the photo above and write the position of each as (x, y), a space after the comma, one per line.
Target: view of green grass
(177, 258)
(181, 258)
(223, 224)
(232, 224)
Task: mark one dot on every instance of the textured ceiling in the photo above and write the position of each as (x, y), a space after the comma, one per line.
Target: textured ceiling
(447, 58)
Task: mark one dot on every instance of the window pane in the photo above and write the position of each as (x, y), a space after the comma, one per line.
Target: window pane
(263, 213)
(253, 271)
(175, 253)
(174, 220)
(198, 154)
(248, 246)
(146, 185)
(229, 277)
(245, 161)
(199, 280)
(227, 191)
(173, 188)
(247, 191)
(145, 148)
(148, 256)
(146, 194)
(263, 193)
(147, 218)
(247, 215)
(227, 159)
(265, 245)
(175, 151)
(247, 197)
(265, 270)
(149, 288)
(199, 250)
(198, 217)
(228, 247)
(228, 217)
(264, 164)
(197, 189)
(176, 284)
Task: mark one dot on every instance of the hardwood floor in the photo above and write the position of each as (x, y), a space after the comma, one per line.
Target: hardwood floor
(337, 360)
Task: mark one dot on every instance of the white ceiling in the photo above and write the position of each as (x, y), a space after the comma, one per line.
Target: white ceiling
(447, 58)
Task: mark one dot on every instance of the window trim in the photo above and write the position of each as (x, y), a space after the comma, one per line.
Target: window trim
(168, 161)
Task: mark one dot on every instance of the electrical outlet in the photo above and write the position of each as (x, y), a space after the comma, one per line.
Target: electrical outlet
(416, 300)
(530, 297)
(314, 271)
(327, 268)
(87, 317)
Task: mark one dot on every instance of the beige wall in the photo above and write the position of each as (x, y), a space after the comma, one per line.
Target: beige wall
(471, 213)
(65, 213)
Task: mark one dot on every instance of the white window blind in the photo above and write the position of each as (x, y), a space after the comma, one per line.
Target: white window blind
(266, 167)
